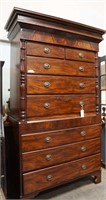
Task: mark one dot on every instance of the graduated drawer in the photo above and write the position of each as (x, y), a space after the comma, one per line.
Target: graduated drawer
(45, 50)
(47, 105)
(73, 54)
(53, 156)
(37, 84)
(52, 176)
(36, 65)
(31, 142)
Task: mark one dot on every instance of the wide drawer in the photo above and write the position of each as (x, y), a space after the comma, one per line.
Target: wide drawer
(31, 142)
(37, 84)
(38, 49)
(80, 55)
(52, 176)
(55, 123)
(57, 155)
(36, 65)
(49, 105)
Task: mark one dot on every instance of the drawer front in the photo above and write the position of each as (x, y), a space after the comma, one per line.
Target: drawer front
(73, 54)
(37, 65)
(38, 49)
(50, 105)
(42, 179)
(54, 123)
(58, 155)
(58, 84)
(31, 142)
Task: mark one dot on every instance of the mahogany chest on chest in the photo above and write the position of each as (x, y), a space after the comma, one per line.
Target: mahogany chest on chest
(54, 78)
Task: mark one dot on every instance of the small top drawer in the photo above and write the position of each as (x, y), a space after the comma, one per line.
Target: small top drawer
(37, 49)
(80, 55)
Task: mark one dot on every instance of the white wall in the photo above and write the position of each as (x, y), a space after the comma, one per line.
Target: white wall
(90, 12)
(5, 56)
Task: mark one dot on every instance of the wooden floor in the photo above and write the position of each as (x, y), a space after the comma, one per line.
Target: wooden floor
(82, 189)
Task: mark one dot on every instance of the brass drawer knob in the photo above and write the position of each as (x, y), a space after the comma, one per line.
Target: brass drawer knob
(84, 167)
(83, 133)
(49, 177)
(81, 69)
(47, 84)
(48, 157)
(82, 85)
(46, 65)
(82, 103)
(46, 50)
(83, 149)
(81, 55)
(48, 139)
(46, 105)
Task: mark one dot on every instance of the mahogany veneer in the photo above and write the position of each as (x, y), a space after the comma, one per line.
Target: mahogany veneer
(54, 71)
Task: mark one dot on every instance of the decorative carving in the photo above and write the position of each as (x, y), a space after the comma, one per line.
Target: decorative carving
(22, 83)
(96, 64)
(97, 97)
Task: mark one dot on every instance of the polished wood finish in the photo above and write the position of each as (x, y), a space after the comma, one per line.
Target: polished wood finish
(48, 157)
(49, 177)
(80, 55)
(59, 67)
(57, 123)
(56, 84)
(59, 104)
(54, 71)
(61, 39)
(43, 140)
(37, 49)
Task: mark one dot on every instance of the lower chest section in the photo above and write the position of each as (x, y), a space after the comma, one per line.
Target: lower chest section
(58, 155)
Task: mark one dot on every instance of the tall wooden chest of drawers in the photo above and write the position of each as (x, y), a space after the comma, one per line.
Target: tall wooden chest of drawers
(54, 74)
